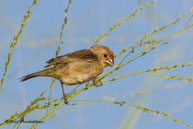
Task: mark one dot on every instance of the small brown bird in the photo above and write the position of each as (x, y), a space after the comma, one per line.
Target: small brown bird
(77, 67)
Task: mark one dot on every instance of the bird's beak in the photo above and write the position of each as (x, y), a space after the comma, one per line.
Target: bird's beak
(110, 62)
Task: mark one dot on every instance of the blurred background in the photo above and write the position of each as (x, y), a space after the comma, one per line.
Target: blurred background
(87, 20)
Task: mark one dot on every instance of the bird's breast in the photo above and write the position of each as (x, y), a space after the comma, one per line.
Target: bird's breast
(80, 72)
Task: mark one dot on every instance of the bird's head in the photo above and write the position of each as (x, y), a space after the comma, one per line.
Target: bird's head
(104, 54)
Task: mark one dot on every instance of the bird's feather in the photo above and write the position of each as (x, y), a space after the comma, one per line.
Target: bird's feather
(85, 54)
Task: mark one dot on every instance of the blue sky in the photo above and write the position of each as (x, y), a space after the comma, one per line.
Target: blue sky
(87, 21)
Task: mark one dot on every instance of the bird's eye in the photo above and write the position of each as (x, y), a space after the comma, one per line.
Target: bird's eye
(105, 55)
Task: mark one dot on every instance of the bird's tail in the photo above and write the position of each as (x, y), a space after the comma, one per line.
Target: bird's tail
(46, 72)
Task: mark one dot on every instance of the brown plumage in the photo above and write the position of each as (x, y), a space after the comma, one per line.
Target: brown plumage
(77, 67)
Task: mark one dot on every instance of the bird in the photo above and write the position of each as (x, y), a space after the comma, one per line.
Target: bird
(76, 67)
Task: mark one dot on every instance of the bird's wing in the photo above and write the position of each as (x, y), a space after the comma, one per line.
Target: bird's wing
(84, 54)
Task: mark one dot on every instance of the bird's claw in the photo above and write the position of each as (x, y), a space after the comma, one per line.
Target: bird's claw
(66, 98)
(97, 83)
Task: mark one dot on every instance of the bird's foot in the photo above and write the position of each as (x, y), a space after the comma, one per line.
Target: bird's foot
(66, 98)
(97, 83)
